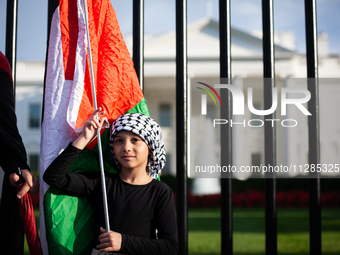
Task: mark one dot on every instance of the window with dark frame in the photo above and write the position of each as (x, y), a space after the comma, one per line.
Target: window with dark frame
(166, 169)
(34, 162)
(256, 161)
(254, 116)
(211, 111)
(165, 115)
(34, 115)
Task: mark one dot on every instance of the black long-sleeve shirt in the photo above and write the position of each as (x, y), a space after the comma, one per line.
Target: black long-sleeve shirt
(12, 150)
(12, 156)
(135, 211)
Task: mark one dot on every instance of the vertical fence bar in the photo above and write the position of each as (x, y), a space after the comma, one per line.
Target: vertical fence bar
(270, 134)
(11, 37)
(313, 128)
(181, 125)
(226, 133)
(138, 40)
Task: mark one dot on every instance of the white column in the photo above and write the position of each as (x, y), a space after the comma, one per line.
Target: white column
(238, 134)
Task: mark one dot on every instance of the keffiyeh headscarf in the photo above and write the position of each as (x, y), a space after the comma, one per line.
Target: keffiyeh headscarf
(147, 129)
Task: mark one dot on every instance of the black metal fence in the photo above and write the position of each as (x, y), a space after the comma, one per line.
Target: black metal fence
(226, 110)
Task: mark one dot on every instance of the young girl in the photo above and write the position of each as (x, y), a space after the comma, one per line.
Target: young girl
(141, 209)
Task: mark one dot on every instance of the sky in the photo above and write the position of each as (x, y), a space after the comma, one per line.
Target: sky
(160, 18)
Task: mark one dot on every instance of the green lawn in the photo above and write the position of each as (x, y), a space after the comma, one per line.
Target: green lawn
(249, 231)
(249, 237)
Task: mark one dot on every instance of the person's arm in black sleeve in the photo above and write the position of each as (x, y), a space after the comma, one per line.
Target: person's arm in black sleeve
(12, 156)
(12, 150)
(167, 242)
(57, 176)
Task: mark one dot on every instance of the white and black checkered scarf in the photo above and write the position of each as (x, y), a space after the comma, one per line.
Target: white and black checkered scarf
(147, 129)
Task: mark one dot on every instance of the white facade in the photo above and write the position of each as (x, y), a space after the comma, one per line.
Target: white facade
(29, 92)
(203, 55)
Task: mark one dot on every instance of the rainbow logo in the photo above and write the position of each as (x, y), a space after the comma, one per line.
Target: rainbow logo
(208, 92)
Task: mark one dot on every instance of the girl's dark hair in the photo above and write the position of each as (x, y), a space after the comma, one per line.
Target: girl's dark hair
(148, 164)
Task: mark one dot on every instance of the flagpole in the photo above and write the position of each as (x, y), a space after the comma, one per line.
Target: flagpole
(106, 211)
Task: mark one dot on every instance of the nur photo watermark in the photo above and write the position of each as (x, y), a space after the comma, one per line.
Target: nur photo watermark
(288, 115)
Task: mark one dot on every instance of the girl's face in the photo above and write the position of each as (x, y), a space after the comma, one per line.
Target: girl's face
(130, 151)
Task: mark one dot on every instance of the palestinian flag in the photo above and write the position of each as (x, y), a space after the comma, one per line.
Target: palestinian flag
(66, 221)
